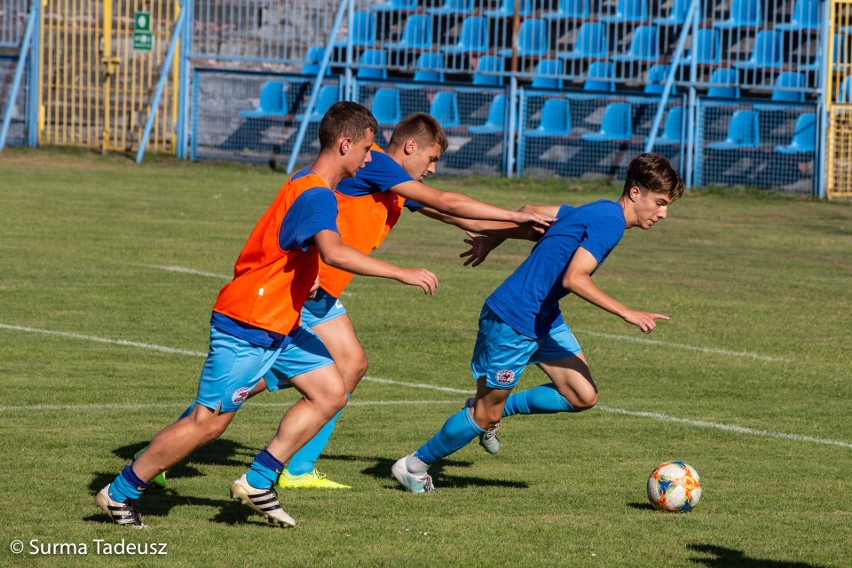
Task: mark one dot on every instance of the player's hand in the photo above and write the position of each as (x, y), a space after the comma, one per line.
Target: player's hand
(537, 222)
(480, 246)
(646, 321)
(313, 293)
(427, 280)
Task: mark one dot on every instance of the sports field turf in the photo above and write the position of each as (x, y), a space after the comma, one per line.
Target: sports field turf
(108, 271)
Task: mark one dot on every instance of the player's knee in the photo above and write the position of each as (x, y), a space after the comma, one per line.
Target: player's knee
(586, 401)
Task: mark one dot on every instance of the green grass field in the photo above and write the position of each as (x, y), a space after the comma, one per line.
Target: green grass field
(108, 271)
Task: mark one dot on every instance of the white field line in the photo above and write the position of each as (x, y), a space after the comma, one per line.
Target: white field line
(184, 270)
(181, 406)
(468, 392)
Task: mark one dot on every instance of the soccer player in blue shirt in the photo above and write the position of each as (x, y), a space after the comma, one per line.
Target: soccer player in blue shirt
(521, 324)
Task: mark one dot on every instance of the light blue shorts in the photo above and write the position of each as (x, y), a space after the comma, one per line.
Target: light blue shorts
(235, 366)
(323, 307)
(501, 354)
(306, 353)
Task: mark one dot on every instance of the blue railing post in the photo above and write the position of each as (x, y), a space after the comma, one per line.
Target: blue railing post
(26, 51)
(183, 90)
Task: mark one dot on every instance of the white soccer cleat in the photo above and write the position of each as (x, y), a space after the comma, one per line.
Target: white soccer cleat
(264, 501)
(124, 514)
(414, 483)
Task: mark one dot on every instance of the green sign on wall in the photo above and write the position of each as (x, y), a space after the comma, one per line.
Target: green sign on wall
(142, 38)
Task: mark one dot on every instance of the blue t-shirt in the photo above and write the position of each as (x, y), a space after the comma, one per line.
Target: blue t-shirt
(528, 300)
(380, 174)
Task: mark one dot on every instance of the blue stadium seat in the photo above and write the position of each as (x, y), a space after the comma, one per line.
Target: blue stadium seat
(451, 7)
(532, 39)
(672, 129)
(472, 38)
(768, 52)
(313, 60)
(600, 70)
(744, 14)
(326, 97)
(429, 68)
(743, 132)
(548, 74)
(804, 136)
(445, 108)
(805, 16)
(507, 9)
(554, 120)
(724, 84)
(845, 93)
(386, 107)
(363, 30)
(416, 34)
(789, 88)
(617, 125)
(496, 116)
(568, 10)
(643, 46)
(590, 43)
(656, 80)
(272, 102)
(377, 59)
(677, 14)
(395, 6)
(492, 63)
(634, 11)
(839, 56)
(705, 48)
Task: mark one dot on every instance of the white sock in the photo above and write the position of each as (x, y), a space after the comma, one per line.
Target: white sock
(415, 465)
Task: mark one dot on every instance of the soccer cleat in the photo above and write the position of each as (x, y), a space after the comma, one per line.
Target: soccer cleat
(311, 480)
(264, 501)
(414, 483)
(487, 439)
(125, 514)
(160, 479)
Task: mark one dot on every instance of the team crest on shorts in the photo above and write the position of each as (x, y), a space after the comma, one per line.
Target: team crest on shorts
(240, 395)
(505, 377)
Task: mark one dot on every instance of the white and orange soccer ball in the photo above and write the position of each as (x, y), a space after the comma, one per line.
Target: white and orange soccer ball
(674, 486)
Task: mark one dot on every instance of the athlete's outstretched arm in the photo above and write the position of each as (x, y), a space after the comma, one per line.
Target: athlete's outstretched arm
(578, 279)
(333, 252)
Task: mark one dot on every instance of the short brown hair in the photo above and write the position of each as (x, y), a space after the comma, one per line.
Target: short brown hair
(424, 129)
(654, 173)
(345, 119)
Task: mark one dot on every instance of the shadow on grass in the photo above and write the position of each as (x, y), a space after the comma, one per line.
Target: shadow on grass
(219, 452)
(721, 557)
(382, 470)
(642, 506)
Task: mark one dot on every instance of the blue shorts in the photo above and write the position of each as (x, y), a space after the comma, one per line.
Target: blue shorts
(321, 308)
(306, 353)
(501, 354)
(235, 366)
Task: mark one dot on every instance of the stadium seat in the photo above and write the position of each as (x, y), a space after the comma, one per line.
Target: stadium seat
(554, 120)
(768, 52)
(445, 108)
(744, 14)
(313, 59)
(705, 48)
(677, 14)
(532, 39)
(395, 6)
(628, 11)
(429, 68)
(839, 56)
(805, 16)
(496, 117)
(272, 102)
(590, 43)
(655, 82)
(416, 34)
(452, 7)
(844, 95)
(489, 69)
(643, 46)
(377, 62)
(363, 30)
(326, 97)
(789, 87)
(804, 136)
(672, 129)
(600, 70)
(507, 9)
(743, 132)
(473, 37)
(724, 84)
(616, 126)
(548, 74)
(568, 10)
(386, 107)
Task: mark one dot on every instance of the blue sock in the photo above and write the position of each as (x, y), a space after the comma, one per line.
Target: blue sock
(543, 399)
(303, 461)
(126, 486)
(456, 433)
(188, 411)
(264, 470)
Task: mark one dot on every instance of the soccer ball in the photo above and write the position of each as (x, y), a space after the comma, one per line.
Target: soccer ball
(674, 486)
